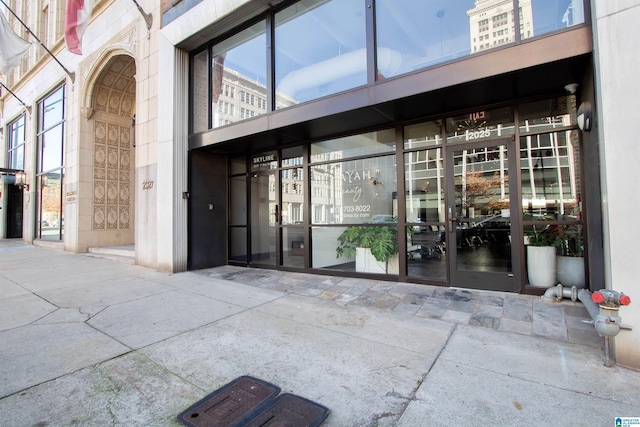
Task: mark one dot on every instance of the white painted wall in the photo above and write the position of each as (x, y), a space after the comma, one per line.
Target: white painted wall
(616, 47)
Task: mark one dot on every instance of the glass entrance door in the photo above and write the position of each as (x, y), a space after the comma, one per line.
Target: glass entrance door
(264, 218)
(480, 224)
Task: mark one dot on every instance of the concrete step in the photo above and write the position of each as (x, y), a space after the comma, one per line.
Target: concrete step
(124, 253)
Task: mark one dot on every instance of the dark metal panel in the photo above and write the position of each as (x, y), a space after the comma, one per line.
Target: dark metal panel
(207, 210)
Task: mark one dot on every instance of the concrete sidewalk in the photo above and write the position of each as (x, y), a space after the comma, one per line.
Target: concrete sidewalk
(90, 342)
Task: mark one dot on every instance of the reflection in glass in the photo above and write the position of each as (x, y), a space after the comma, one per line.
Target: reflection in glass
(238, 244)
(238, 76)
(292, 196)
(492, 24)
(365, 144)
(550, 165)
(328, 59)
(238, 200)
(426, 252)
(425, 134)
(50, 160)
(51, 213)
(292, 156)
(264, 218)
(485, 124)
(539, 17)
(52, 109)
(547, 114)
(354, 192)
(52, 143)
(16, 143)
(238, 165)
(200, 91)
(482, 209)
(293, 247)
(424, 184)
(414, 34)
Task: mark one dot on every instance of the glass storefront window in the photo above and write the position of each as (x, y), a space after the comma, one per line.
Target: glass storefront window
(485, 124)
(292, 196)
(365, 144)
(424, 207)
(423, 135)
(52, 215)
(550, 165)
(547, 114)
(238, 165)
(369, 249)
(293, 247)
(539, 17)
(292, 156)
(414, 34)
(238, 200)
(424, 186)
(354, 192)
(328, 59)
(426, 252)
(16, 143)
(52, 145)
(238, 76)
(50, 166)
(52, 109)
(238, 244)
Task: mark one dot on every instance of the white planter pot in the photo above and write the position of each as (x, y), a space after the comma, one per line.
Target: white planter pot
(570, 271)
(541, 266)
(367, 263)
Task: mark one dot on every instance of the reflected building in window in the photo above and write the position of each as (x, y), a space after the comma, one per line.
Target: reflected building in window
(238, 97)
(492, 23)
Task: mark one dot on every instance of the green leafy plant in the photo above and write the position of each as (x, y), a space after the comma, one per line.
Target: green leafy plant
(381, 239)
(548, 236)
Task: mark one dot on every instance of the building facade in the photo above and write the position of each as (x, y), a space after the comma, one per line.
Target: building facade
(432, 142)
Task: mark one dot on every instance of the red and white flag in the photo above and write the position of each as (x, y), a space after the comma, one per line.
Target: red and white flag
(77, 19)
(12, 47)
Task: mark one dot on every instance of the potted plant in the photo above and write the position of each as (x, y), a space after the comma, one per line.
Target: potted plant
(541, 256)
(375, 248)
(570, 258)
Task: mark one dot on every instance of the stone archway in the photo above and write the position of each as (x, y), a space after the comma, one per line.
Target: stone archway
(113, 109)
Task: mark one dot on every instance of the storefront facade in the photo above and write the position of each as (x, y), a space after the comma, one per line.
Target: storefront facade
(290, 135)
(440, 152)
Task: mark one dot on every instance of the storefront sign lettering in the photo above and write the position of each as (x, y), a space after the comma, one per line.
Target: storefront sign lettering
(264, 159)
(356, 192)
(354, 176)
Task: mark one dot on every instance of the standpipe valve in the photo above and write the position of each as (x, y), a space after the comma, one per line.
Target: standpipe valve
(608, 321)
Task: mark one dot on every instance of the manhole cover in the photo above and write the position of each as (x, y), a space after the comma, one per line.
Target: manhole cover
(228, 404)
(288, 410)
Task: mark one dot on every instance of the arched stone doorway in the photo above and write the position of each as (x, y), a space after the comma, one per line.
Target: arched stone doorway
(113, 154)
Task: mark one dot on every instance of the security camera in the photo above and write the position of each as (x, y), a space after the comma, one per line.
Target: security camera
(571, 88)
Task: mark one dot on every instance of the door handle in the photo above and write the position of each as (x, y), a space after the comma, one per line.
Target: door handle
(275, 214)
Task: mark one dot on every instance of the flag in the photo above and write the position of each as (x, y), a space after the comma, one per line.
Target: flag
(12, 47)
(77, 19)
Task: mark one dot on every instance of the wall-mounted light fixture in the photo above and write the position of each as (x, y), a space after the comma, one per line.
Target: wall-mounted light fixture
(584, 116)
(571, 88)
(21, 180)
